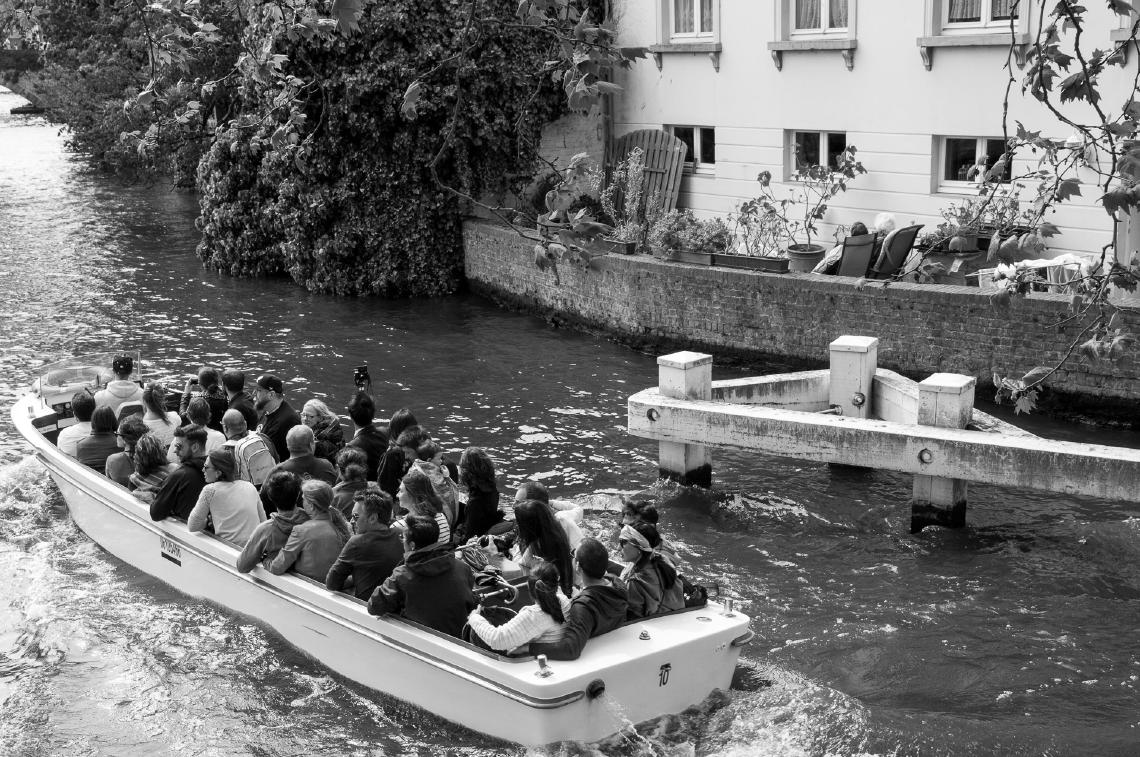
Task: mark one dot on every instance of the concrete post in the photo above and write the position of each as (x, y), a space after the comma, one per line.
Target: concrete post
(687, 376)
(854, 360)
(945, 400)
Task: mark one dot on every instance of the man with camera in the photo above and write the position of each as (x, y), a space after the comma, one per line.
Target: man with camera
(276, 415)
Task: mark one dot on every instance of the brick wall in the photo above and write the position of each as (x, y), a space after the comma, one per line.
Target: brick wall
(922, 328)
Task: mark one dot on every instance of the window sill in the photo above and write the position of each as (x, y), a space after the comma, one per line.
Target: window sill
(1020, 44)
(1117, 36)
(712, 49)
(846, 47)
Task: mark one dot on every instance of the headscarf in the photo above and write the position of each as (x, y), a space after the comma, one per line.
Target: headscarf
(629, 533)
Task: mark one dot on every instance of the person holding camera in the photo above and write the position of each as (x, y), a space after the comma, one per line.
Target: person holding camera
(207, 386)
(366, 435)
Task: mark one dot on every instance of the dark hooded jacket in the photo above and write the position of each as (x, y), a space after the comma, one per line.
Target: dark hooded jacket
(647, 592)
(595, 611)
(269, 538)
(432, 587)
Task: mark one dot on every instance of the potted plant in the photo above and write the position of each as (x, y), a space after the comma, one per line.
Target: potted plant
(758, 233)
(625, 206)
(812, 188)
(682, 237)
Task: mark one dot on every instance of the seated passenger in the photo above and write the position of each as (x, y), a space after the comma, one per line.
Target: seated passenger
(120, 465)
(542, 621)
(94, 449)
(157, 418)
(314, 545)
(432, 587)
(352, 469)
(233, 384)
(180, 490)
(199, 413)
(397, 461)
(417, 496)
(208, 388)
(651, 580)
(252, 455)
(284, 492)
(122, 390)
(430, 462)
(302, 461)
(642, 511)
(327, 432)
(232, 506)
(372, 554)
(151, 468)
(567, 518)
(542, 539)
(82, 406)
(599, 607)
(367, 436)
(276, 415)
(477, 476)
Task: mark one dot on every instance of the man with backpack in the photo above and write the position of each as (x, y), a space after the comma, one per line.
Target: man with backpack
(253, 455)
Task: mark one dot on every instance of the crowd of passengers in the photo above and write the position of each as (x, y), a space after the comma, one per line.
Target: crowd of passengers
(381, 515)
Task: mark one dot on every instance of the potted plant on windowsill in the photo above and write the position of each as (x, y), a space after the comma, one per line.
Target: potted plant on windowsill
(681, 237)
(812, 188)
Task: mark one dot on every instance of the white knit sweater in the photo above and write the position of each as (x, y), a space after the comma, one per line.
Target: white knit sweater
(531, 624)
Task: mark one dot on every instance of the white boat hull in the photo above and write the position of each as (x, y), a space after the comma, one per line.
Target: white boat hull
(686, 656)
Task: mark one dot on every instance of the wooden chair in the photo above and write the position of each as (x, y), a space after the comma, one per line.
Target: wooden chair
(892, 258)
(664, 158)
(856, 256)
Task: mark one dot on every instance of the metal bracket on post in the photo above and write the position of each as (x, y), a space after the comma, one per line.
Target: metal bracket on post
(945, 400)
(685, 375)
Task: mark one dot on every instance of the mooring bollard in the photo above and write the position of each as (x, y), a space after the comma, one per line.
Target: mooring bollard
(854, 360)
(685, 375)
(945, 400)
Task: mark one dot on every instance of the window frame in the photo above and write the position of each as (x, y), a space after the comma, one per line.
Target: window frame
(824, 31)
(696, 167)
(790, 144)
(836, 40)
(694, 36)
(958, 186)
(974, 27)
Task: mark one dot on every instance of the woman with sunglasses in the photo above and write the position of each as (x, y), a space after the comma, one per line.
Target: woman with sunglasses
(651, 579)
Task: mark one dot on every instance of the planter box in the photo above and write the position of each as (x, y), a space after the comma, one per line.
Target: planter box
(694, 258)
(614, 246)
(751, 262)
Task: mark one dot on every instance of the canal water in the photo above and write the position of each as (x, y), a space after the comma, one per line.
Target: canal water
(1016, 635)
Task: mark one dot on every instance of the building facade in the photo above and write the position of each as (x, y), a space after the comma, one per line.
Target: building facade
(916, 85)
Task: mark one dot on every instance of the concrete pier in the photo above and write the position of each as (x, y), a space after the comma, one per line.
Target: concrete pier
(685, 376)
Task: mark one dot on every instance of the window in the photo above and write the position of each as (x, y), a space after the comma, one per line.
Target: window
(965, 160)
(700, 146)
(975, 14)
(691, 19)
(809, 146)
(819, 16)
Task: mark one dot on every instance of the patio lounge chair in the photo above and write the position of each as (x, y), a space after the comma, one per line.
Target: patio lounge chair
(856, 256)
(892, 258)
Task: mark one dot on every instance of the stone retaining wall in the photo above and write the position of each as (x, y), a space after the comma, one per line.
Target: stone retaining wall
(922, 329)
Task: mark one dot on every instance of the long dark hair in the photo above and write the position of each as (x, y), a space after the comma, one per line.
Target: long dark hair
(543, 535)
(476, 471)
(401, 419)
(667, 571)
(546, 583)
(419, 486)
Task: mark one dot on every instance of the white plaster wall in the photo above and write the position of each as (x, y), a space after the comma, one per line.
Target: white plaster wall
(890, 106)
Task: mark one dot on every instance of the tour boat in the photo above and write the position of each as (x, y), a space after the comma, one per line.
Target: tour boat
(633, 674)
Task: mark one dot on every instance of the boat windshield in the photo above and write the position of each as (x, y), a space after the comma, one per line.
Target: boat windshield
(72, 374)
